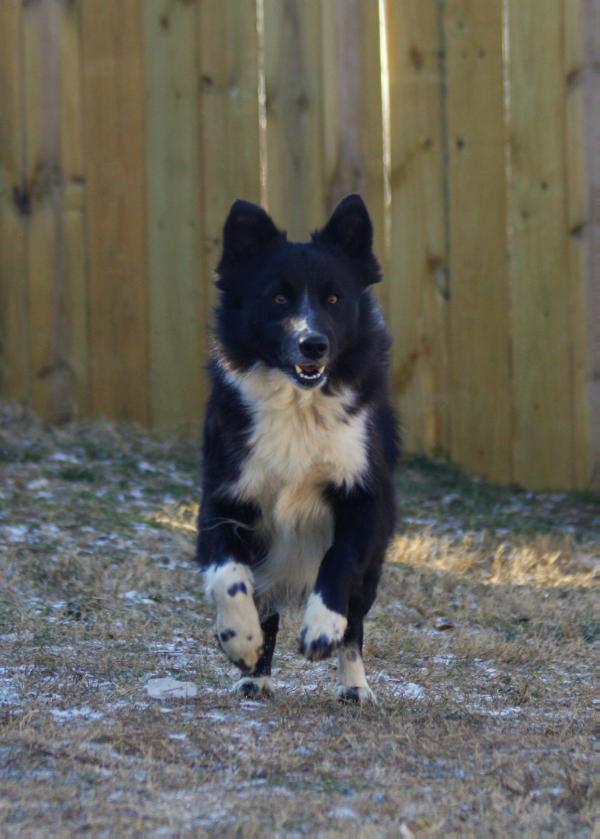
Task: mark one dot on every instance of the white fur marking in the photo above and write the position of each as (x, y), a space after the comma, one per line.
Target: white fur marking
(301, 440)
(322, 630)
(351, 674)
(231, 586)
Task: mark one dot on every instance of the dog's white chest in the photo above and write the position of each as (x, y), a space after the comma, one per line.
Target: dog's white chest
(301, 441)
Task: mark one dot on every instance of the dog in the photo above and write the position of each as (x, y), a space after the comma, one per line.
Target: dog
(300, 443)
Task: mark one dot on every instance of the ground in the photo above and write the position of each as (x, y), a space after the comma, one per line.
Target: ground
(480, 649)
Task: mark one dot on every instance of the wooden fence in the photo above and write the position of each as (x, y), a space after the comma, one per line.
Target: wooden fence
(128, 127)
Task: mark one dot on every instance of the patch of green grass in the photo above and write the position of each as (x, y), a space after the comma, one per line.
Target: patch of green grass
(79, 473)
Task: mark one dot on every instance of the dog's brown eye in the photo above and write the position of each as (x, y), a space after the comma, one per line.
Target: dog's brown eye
(333, 299)
(280, 299)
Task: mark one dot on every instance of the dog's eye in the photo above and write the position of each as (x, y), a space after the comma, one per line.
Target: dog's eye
(333, 299)
(280, 299)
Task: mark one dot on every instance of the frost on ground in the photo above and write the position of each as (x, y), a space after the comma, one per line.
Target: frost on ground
(480, 649)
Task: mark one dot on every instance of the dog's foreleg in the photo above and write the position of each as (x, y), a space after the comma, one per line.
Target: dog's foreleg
(224, 554)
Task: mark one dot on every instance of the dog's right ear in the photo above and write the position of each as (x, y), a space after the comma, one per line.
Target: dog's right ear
(248, 230)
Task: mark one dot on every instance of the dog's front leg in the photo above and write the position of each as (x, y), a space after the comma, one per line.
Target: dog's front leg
(326, 615)
(224, 552)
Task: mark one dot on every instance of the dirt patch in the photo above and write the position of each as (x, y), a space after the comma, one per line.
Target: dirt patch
(480, 650)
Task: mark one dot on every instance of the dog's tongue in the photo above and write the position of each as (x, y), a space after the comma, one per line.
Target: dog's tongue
(309, 368)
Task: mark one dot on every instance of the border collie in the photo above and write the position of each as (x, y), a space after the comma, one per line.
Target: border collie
(300, 443)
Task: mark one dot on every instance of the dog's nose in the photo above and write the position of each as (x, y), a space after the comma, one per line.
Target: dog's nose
(313, 346)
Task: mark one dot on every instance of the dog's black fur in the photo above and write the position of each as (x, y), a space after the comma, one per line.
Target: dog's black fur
(300, 317)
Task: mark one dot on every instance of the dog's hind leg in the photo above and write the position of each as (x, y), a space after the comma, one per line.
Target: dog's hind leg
(352, 682)
(258, 683)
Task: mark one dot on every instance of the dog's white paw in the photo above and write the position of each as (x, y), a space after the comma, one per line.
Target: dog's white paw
(322, 631)
(362, 695)
(254, 687)
(231, 586)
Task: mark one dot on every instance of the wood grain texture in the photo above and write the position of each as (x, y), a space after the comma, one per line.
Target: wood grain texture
(14, 207)
(296, 187)
(419, 279)
(480, 393)
(539, 275)
(230, 131)
(46, 51)
(353, 156)
(176, 331)
(590, 82)
(114, 119)
(577, 242)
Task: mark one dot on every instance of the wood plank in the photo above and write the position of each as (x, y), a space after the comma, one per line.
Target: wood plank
(14, 206)
(418, 310)
(72, 165)
(175, 293)
(230, 130)
(480, 395)
(352, 113)
(295, 179)
(590, 79)
(46, 257)
(574, 60)
(541, 340)
(114, 120)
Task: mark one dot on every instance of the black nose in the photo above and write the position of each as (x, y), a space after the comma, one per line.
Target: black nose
(313, 346)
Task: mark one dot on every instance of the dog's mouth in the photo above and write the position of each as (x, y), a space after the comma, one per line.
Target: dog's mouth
(308, 375)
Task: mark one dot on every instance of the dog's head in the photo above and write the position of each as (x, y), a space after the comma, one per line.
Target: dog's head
(294, 306)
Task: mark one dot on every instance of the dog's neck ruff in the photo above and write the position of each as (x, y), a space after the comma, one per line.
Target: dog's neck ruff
(299, 434)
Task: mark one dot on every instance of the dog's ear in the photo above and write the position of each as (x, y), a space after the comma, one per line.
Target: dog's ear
(248, 229)
(349, 229)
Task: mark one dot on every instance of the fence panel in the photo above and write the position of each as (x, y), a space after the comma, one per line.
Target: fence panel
(470, 127)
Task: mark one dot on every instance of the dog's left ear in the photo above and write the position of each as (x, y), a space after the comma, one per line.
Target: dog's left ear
(349, 229)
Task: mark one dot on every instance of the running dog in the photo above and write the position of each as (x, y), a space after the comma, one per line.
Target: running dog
(300, 443)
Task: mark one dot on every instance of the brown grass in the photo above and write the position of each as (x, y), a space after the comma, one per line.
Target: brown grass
(480, 649)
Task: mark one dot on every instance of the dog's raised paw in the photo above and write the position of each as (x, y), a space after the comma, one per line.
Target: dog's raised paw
(362, 695)
(238, 627)
(322, 631)
(254, 687)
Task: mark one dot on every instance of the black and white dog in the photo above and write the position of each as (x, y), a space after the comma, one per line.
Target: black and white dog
(300, 443)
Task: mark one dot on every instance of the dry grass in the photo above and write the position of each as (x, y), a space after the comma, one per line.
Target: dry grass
(480, 649)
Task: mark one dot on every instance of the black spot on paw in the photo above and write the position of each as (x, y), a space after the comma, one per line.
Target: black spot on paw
(250, 690)
(322, 647)
(349, 695)
(235, 587)
(249, 637)
(351, 653)
(227, 635)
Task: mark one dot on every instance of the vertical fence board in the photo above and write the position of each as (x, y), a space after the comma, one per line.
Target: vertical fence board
(576, 214)
(174, 280)
(46, 247)
(230, 142)
(14, 204)
(418, 311)
(72, 165)
(479, 334)
(591, 231)
(295, 181)
(113, 93)
(353, 156)
(539, 275)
